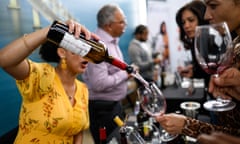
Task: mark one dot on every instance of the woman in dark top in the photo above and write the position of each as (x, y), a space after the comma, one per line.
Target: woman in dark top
(188, 18)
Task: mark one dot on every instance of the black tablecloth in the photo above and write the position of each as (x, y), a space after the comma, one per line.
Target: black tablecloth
(175, 96)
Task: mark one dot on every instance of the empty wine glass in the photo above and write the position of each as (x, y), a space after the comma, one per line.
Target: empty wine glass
(153, 102)
(214, 53)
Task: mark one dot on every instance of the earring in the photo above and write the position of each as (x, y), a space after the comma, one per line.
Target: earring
(63, 63)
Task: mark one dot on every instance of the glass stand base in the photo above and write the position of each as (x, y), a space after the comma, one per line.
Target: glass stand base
(218, 106)
(166, 137)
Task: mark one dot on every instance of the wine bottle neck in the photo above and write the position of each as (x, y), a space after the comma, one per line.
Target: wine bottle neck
(120, 64)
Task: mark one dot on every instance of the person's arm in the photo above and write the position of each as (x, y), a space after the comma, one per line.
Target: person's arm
(78, 138)
(180, 124)
(186, 71)
(218, 138)
(13, 56)
(195, 127)
(172, 123)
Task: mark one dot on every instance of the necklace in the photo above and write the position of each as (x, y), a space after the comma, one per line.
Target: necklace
(70, 97)
(69, 90)
(71, 93)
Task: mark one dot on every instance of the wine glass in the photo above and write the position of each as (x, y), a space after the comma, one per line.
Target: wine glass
(214, 53)
(152, 99)
(153, 102)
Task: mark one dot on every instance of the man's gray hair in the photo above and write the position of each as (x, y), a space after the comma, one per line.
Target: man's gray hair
(106, 14)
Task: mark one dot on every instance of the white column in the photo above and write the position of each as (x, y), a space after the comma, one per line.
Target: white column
(36, 20)
(13, 4)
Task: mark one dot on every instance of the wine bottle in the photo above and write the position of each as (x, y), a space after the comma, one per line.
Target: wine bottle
(163, 75)
(143, 125)
(142, 117)
(122, 131)
(93, 50)
(102, 135)
(136, 108)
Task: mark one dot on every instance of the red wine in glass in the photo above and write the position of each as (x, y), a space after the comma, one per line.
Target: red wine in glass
(214, 53)
(214, 68)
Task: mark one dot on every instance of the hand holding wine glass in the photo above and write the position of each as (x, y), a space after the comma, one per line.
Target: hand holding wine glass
(214, 53)
(227, 84)
(153, 102)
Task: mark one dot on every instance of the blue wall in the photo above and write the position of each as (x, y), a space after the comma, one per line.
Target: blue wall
(15, 22)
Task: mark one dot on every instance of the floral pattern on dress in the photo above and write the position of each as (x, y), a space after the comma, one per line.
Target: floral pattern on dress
(27, 123)
(50, 123)
(47, 116)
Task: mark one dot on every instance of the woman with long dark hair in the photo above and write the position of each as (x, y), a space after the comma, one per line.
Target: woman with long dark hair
(180, 124)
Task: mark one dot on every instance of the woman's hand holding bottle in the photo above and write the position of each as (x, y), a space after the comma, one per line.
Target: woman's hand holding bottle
(77, 29)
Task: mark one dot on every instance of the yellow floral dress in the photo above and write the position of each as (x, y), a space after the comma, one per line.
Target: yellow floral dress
(47, 116)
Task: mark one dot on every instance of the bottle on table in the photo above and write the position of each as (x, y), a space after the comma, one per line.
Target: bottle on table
(122, 131)
(163, 75)
(136, 108)
(102, 135)
(128, 133)
(144, 122)
(142, 116)
(93, 50)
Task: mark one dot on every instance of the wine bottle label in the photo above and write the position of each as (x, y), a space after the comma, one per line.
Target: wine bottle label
(75, 45)
(146, 130)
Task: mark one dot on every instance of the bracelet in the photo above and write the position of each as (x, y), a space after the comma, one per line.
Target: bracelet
(187, 122)
(25, 42)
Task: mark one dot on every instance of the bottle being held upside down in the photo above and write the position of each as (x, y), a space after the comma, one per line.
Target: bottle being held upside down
(93, 50)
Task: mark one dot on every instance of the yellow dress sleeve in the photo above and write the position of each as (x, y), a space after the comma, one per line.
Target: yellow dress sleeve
(37, 83)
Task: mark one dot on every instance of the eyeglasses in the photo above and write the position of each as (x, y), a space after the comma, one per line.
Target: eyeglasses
(120, 22)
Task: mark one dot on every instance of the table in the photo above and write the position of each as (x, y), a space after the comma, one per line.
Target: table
(176, 95)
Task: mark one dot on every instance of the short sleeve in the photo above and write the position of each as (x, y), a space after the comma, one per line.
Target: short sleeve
(39, 81)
